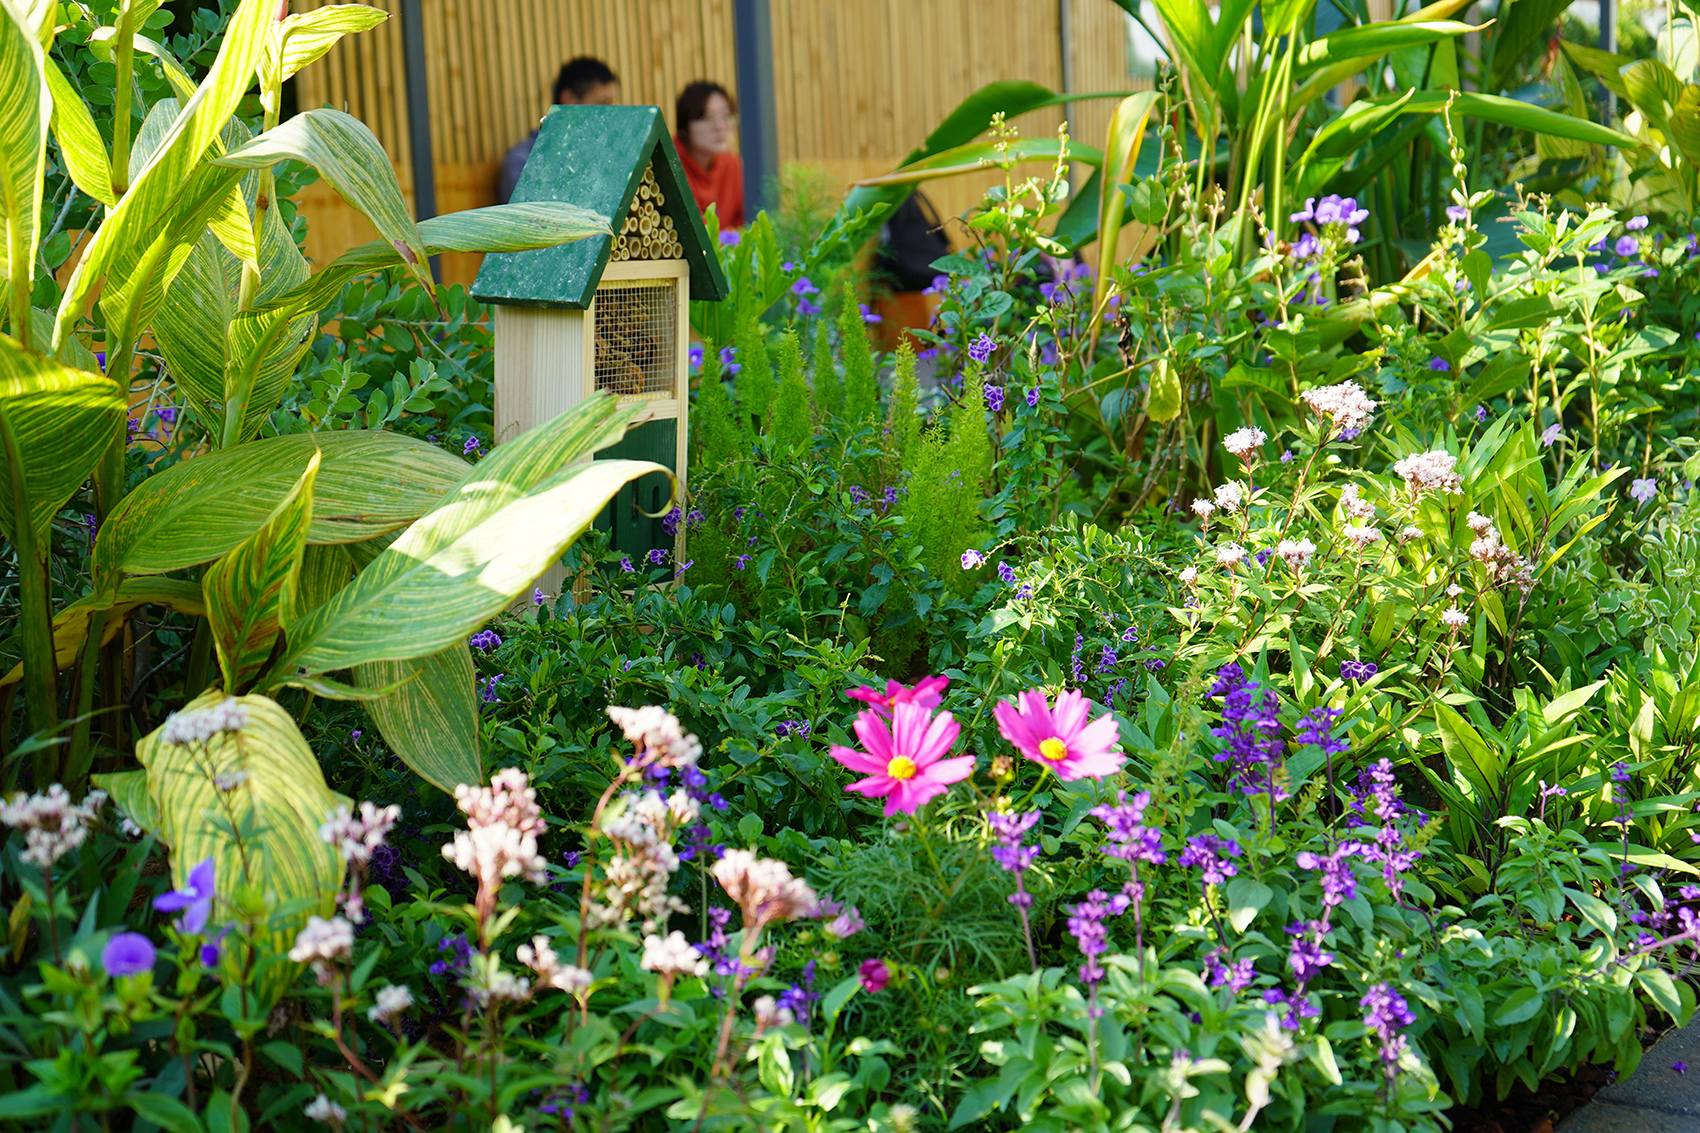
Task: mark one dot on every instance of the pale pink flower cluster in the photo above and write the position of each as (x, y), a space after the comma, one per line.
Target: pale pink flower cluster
(640, 870)
(1230, 555)
(656, 734)
(1505, 567)
(1189, 575)
(503, 823)
(1362, 535)
(1435, 471)
(1230, 496)
(1345, 403)
(1296, 553)
(1203, 508)
(768, 1013)
(1455, 618)
(672, 955)
(356, 838)
(53, 826)
(764, 889)
(198, 725)
(1354, 505)
(541, 958)
(488, 982)
(1410, 531)
(1245, 442)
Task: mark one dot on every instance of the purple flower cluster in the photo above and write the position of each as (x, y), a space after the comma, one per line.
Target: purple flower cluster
(485, 640)
(798, 997)
(1339, 883)
(994, 399)
(1385, 1012)
(1251, 727)
(1357, 670)
(1124, 825)
(1213, 855)
(980, 350)
(1086, 925)
(459, 958)
(1379, 795)
(1317, 727)
(1236, 976)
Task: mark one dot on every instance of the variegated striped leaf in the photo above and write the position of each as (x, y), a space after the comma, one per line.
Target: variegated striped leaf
(173, 189)
(25, 110)
(71, 624)
(351, 160)
(193, 512)
(250, 592)
(482, 547)
(325, 569)
(191, 326)
(263, 831)
(304, 37)
(79, 138)
(431, 722)
(129, 791)
(54, 423)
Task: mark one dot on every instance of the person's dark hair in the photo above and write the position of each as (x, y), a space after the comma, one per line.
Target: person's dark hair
(693, 103)
(581, 76)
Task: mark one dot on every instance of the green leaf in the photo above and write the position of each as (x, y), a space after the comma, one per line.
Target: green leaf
(80, 142)
(1593, 910)
(307, 36)
(1246, 898)
(1522, 1005)
(1520, 116)
(166, 1112)
(1163, 399)
(129, 791)
(25, 111)
(54, 424)
(277, 811)
(250, 592)
(431, 722)
(351, 160)
(1121, 149)
(1661, 989)
(1653, 88)
(1604, 65)
(368, 483)
(1375, 39)
(475, 554)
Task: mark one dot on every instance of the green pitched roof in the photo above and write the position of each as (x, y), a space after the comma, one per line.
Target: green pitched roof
(595, 157)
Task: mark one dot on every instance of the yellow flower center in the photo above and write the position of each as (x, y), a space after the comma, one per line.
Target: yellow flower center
(901, 767)
(1053, 749)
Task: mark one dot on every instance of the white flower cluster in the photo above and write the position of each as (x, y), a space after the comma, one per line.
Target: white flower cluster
(1435, 471)
(503, 822)
(541, 958)
(1230, 496)
(1362, 535)
(1203, 508)
(356, 838)
(672, 955)
(1296, 553)
(323, 1109)
(1230, 555)
(198, 725)
(656, 733)
(1505, 567)
(1455, 618)
(323, 943)
(391, 1002)
(1243, 443)
(1189, 575)
(764, 888)
(1346, 403)
(1354, 505)
(769, 1014)
(639, 872)
(53, 826)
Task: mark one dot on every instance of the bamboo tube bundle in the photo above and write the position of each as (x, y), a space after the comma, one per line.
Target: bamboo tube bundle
(646, 233)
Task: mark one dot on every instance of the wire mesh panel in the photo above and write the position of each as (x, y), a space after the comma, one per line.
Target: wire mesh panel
(636, 323)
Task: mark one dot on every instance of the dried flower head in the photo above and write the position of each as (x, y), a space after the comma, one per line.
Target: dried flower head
(503, 823)
(53, 826)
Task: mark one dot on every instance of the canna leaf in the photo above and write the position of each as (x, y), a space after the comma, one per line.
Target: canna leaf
(250, 592)
(54, 424)
(1121, 150)
(482, 547)
(431, 722)
(71, 624)
(306, 36)
(79, 138)
(25, 111)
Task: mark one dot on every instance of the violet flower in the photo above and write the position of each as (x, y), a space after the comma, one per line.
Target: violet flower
(1014, 855)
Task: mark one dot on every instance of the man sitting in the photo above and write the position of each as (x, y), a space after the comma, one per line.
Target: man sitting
(582, 82)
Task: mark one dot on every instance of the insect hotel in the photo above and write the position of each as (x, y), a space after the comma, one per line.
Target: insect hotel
(607, 313)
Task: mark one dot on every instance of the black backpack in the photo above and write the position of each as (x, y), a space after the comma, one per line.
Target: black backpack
(912, 239)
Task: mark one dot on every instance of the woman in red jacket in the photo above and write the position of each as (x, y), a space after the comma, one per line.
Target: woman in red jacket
(707, 121)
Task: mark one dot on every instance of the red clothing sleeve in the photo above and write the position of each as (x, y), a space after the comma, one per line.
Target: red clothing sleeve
(720, 185)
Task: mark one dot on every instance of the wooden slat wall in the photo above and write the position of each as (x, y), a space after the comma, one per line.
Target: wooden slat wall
(858, 85)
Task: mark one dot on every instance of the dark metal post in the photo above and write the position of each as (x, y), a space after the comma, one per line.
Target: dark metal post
(419, 118)
(758, 127)
(1608, 42)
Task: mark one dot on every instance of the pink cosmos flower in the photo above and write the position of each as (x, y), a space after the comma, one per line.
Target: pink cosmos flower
(905, 761)
(928, 693)
(1061, 738)
(874, 974)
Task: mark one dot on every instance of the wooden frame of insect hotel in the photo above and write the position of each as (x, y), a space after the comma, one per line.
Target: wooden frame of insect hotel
(611, 312)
